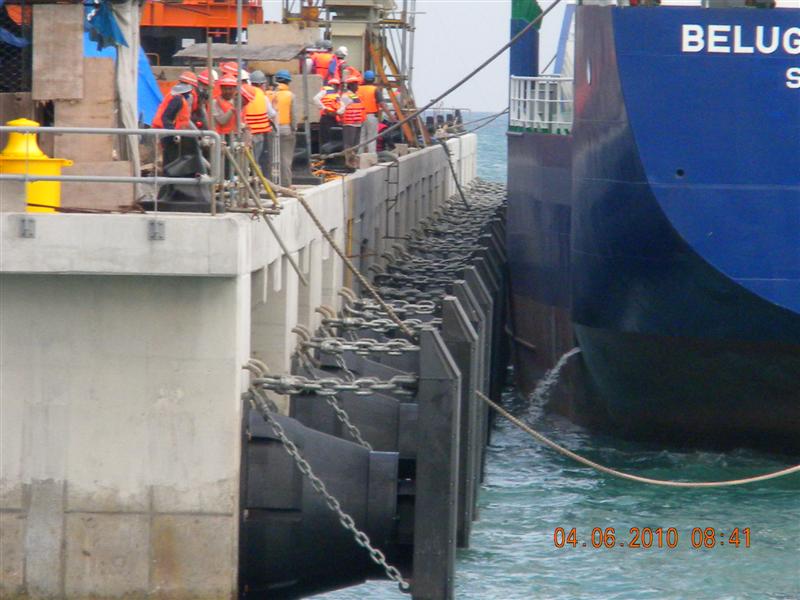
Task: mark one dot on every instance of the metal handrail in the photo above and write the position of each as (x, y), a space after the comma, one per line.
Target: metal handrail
(216, 156)
(541, 103)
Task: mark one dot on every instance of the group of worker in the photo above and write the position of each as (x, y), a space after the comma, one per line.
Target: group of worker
(357, 107)
(268, 121)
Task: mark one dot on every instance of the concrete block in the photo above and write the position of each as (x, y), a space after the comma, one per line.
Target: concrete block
(105, 499)
(84, 147)
(44, 536)
(100, 80)
(270, 67)
(58, 52)
(214, 497)
(12, 553)
(367, 160)
(107, 196)
(401, 149)
(13, 196)
(107, 556)
(12, 495)
(314, 86)
(273, 34)
(193, 556)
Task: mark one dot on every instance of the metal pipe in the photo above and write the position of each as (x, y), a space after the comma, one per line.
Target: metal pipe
(409, 82)
(239, 70)
(404, 42)
(216, 155)
(202, 180)
(305, 108)
(209, 108)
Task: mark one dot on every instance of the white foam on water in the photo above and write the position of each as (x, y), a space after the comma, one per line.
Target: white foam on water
(546, 383)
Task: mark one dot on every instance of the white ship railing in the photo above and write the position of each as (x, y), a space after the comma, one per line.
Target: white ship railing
(542, 104)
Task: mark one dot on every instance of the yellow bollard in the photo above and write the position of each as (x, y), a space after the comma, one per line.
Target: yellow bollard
(23, 155)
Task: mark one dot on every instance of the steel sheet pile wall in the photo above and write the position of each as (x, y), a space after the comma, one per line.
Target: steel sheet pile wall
(385, 428)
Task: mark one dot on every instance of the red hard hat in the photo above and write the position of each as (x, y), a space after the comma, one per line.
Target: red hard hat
(227, 81)
(353, 79)
(188, 77)
(334, 81)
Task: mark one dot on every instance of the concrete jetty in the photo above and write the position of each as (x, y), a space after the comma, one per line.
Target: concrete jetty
(122, 341)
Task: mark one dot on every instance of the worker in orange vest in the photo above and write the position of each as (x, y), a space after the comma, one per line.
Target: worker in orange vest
(197, 109)
(259, 116)
(322, 59)
(174, 112)
(353, 114)
(372, 99)
(328, 100)
(287, 124)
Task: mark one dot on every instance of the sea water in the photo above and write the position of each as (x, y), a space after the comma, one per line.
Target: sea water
(531, 494)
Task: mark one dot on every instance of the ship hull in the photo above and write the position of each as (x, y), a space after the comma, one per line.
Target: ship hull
(684, 339)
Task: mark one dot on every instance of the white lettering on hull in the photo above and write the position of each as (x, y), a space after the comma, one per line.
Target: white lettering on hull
(731, 39)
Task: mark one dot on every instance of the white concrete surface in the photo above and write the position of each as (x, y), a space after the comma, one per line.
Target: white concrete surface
(121, 379)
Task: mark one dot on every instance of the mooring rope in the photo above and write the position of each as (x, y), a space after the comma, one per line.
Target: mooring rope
(622, 475)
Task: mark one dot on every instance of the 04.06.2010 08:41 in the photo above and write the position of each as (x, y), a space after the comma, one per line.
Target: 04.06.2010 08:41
(647, 537)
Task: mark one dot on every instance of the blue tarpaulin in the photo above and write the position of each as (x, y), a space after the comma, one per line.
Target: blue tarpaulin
(102, 25)
(148, 93)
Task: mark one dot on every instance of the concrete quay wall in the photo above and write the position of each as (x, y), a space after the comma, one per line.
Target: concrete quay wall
(121, 375)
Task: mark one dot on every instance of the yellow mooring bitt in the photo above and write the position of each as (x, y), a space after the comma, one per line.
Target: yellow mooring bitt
(22, 155)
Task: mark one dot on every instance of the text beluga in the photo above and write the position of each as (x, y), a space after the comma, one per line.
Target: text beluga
(735, 39)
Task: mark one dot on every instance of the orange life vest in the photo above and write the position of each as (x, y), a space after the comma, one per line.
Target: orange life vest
(283, 104)
(367, 94)
(354, 114)
(322, 60)
(331, 100)
(181, 119)
(255, 114)
(225, 106)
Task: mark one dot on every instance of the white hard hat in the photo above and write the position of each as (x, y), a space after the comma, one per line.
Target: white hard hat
(245, 75)
(342, 50)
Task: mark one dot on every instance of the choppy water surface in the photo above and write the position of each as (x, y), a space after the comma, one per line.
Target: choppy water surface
(530, 491)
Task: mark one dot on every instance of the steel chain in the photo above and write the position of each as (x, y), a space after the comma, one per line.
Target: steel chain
(342, 415)
(361, 538)
(330, 386)
(362, 346)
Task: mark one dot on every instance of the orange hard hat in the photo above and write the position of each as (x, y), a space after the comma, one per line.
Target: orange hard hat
(353, 79)
(248, 93)
(203, 76)
(334, 81)
(227, 81)
(229, 67)
(188, 77)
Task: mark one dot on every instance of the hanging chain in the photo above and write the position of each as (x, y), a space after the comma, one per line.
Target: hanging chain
(361, 538)
(345, 419)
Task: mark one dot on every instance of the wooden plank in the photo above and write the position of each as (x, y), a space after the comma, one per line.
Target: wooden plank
(57, 52)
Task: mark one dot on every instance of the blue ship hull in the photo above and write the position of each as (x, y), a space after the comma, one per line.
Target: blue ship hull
(663, 234)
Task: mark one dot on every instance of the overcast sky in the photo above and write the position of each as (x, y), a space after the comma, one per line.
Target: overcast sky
(452, 37)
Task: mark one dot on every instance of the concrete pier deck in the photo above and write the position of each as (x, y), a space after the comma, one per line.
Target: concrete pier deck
(121, 374)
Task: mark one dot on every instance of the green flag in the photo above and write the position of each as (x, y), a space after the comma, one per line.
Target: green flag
(526, 10)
